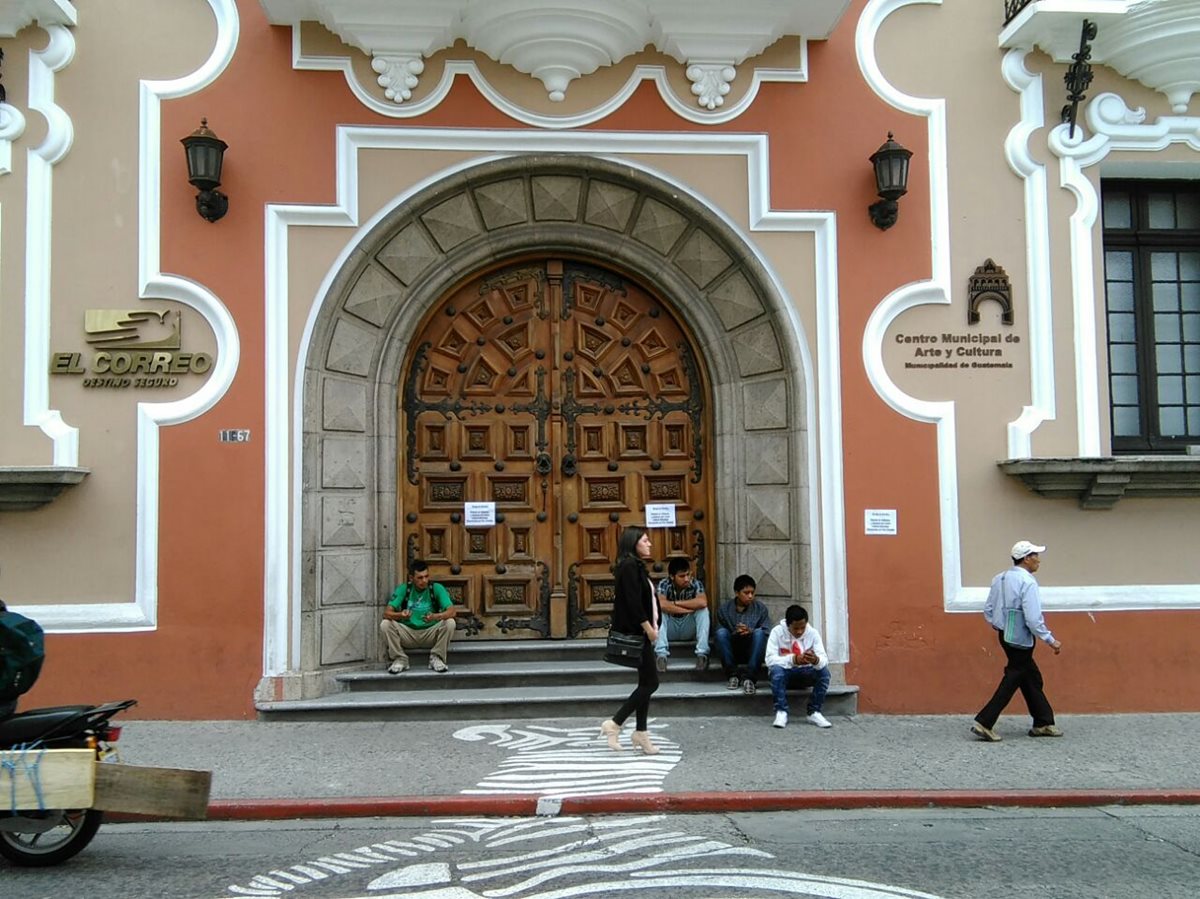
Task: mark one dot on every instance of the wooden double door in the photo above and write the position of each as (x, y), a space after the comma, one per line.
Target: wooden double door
(570, 397)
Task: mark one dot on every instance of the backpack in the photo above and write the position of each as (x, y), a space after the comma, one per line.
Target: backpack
(22, 651)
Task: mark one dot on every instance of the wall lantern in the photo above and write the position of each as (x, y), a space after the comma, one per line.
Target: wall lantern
(891, 181)
(205, 152)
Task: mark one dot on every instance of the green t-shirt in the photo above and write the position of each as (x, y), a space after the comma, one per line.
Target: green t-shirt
(421, 603)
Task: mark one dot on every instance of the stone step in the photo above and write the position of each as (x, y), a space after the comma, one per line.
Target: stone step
(522, 672)
(686, 698)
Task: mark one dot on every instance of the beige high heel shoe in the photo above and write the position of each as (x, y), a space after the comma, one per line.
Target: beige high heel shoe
(641, 739)
(612, 731)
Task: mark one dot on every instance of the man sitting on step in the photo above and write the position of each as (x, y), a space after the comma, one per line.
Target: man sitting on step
(684, 606)
(420, 615)
(796, 657)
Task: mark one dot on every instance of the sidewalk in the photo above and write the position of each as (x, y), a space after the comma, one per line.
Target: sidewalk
(291, 770)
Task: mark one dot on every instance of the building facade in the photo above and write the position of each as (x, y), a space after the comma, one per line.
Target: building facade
(481, 282)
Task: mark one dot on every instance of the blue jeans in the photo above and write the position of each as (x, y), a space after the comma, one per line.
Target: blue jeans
(804, 676)
(751, 648)
(693, 626)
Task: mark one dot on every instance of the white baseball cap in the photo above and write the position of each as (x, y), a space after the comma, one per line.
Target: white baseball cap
(1023, 548)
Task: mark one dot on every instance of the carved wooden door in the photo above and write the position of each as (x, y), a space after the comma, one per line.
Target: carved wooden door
(570, 397)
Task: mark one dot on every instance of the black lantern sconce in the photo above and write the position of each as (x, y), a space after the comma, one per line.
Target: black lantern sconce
(205, 153)
(891, 181)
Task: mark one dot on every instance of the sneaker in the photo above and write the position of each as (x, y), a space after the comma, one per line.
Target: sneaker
(780, 719)
(701, 663)
(1048, 730)
(734, 682)
(661, 663)
(438, 665)
(749, 687)
(986, 734)
(818, 719)
(397, 666)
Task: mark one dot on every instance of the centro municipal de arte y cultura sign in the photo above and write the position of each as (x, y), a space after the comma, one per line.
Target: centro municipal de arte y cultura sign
(131, 348)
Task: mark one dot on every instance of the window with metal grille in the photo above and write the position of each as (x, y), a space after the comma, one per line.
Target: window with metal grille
(1152, 294)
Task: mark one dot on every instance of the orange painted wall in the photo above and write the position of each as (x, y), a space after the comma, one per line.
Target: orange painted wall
(907, 654)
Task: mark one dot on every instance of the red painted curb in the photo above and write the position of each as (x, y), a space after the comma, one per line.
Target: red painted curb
(526, 805)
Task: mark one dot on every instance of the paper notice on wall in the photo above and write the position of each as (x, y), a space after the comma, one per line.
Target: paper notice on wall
(881, 521)
(479, 515)
(660, 515)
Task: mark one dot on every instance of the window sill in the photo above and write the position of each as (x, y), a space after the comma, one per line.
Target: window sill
(1099, 482)
(23, 488)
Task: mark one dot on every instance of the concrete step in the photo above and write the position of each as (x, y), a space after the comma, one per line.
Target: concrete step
(681, 697)
(522, 672)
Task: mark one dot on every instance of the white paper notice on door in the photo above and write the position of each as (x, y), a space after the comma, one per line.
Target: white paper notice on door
(881, 521)
(479, 515)
(660, 515)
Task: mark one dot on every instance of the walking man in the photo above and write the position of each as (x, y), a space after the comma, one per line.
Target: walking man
(1014, 610)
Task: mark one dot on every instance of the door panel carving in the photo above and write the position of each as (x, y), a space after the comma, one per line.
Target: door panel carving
(570, 397)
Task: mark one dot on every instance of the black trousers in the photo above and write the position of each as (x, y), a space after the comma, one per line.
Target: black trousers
(1021, 673)
(638, 702)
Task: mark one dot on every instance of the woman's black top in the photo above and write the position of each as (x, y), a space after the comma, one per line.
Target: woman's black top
(632, 602)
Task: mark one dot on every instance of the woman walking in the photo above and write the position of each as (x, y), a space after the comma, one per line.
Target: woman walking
(634, 610)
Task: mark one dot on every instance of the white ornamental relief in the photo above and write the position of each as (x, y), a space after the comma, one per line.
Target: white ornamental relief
(710, 82)
(398, 75)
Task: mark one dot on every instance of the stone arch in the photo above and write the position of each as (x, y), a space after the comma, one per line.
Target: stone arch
(584, 206)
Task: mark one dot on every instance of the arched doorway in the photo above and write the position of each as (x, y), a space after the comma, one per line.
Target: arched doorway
(570, 396)
(351, 528)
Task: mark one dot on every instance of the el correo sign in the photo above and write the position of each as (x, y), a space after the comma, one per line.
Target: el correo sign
(131, 348)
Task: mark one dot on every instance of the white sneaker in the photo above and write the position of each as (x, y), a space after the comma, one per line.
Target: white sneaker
(438, 665)
(819, 720)
(397, 666)
(781, 719)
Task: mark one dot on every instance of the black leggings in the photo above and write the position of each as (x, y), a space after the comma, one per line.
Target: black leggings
(639, 700)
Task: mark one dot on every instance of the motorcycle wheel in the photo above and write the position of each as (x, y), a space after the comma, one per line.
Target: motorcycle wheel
(74, 830)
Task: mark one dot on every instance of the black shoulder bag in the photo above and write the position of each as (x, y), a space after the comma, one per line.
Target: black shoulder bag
(623, 649)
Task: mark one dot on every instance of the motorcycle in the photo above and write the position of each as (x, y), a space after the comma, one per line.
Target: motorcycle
(51, 836)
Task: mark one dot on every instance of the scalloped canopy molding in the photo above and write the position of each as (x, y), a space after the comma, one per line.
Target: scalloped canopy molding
(557, 41)
(18, 14)
(1156, 42)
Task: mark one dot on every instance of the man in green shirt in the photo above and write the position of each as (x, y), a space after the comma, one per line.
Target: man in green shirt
(420, 615)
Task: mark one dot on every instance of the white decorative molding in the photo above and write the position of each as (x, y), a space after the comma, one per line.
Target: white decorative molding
(1156, 42)
(12, 126)
(710, 82)
(1037, 254)
(18, 14)
(141, 614)
(39, 212)
(557, 41)
(283, 424)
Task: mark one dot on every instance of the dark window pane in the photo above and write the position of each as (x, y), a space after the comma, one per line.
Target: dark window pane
(1168, 359)
(1191, 327)
(1170, 422)
(1125, 390)
(1121, 327)
(1117, 211)
(1193, 389)
(1170, 391)
(1118, 265)
(1187, 207)
(1166, 328)
(1190, 294)
(1166, 296)
(1191, 359)
(1120, 296)
(1193, 417)
(1162, 211)
(1126, 422)
(1123, 359)
(1164, 266)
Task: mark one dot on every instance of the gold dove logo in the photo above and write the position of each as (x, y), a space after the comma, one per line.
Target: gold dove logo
(145, 328)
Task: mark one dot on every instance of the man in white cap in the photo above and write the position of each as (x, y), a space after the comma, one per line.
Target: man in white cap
(1014, 609)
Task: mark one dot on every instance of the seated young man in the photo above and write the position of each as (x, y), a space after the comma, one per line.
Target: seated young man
(420, 615)
(684, 606)
(743, 624)
(796, 658)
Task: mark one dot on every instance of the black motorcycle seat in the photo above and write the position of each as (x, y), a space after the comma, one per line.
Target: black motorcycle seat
(28, 727)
